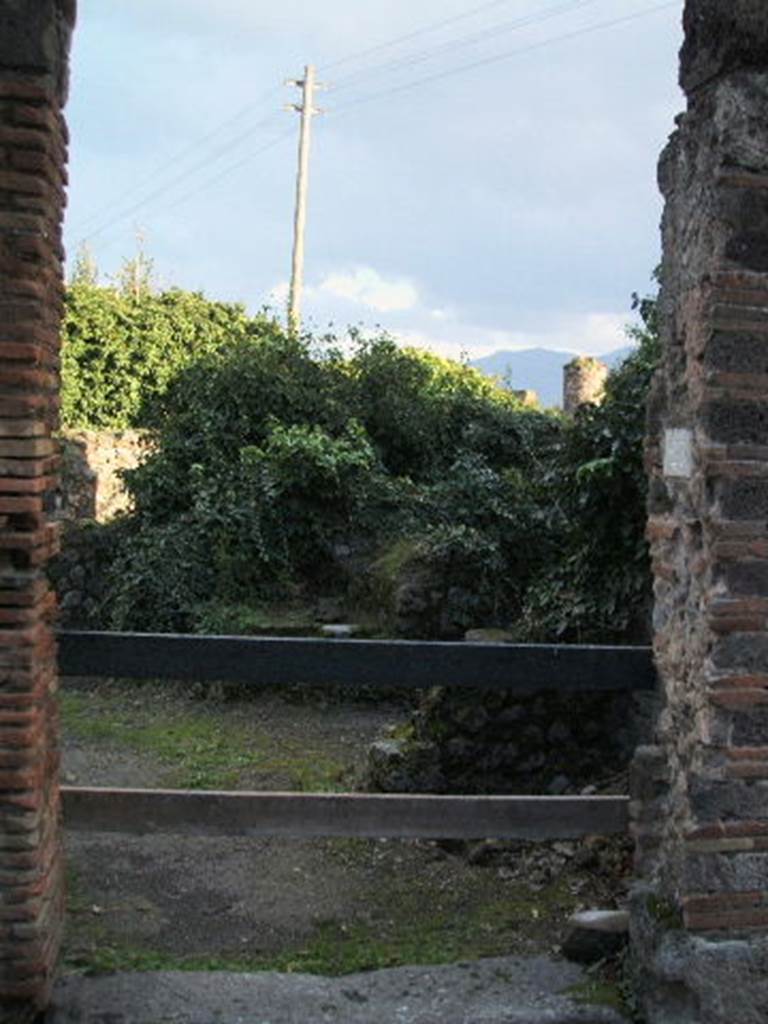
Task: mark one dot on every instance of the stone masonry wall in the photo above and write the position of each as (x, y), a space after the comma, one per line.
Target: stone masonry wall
(91, 484)
(700, 793)
(34, 39)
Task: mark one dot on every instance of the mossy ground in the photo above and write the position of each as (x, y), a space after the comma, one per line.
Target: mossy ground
(327, 906)
(196, 746)
(407, 912)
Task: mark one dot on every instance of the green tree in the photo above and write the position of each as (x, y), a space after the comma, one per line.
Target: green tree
(122, 347)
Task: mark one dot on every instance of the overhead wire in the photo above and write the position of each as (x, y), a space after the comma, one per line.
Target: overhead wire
(180, 155)
(418, 57)
(434, 26)
(507, 55)
(222, 174)
(289, 134)
(562, 8)
(162, 189)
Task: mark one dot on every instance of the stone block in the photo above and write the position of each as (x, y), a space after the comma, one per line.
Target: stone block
(34, 39)
(750, 727)
(729, 871)
(745, 651)
(743, 498)
(736, 422)
(722, 36)
(746, 578)
(712, 800)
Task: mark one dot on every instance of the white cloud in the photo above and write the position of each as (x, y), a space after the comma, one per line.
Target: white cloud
(585, 334)
(367, 287)
(278, 294)
(442, 314)
(444, 328)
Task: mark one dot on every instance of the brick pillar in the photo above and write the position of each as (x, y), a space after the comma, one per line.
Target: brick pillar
(34, 40)
(700, 794)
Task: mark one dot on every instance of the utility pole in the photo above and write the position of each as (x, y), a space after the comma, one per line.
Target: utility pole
(307, 109)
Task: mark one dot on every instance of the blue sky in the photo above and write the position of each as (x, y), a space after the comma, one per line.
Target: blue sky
(508, 204)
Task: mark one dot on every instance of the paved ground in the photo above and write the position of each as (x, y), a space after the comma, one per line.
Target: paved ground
(505, 990)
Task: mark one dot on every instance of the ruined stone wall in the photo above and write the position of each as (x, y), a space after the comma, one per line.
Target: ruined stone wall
(34, 39)
(91, 484)
(583, 381)
(700, 793)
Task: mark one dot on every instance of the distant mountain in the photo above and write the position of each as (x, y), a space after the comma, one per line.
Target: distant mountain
(538, 369)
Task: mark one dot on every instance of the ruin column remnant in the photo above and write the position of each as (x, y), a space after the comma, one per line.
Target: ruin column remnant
(34, 43)
(584, 380)
(700, 794)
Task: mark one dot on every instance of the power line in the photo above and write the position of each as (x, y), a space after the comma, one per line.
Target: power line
(179, 155)
(496, 58)
(179, 178)
(228, 170)
(434, 26)
(408, 60)
(249, 108)
(209, 182)
(95, 217)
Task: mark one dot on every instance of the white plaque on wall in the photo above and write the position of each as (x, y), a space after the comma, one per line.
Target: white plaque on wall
(678, 452)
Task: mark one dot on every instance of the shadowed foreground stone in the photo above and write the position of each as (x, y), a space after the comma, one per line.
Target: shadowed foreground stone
(506, 990)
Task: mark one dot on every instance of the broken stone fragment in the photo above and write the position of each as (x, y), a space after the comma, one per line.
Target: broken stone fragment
(340, 630)
(595, 935)
(489, 636)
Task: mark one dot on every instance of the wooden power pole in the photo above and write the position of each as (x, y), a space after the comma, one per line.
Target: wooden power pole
(307, 109)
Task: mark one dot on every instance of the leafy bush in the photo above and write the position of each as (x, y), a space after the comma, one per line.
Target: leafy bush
(272, 455)
(121, 349)
(421, 410)
(596, 583)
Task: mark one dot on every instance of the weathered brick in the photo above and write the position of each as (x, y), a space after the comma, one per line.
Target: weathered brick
(28, 427)
(729, 829)
(27, 448)
(15, 505)
(27, 485)
(12, 181)
(744, 498)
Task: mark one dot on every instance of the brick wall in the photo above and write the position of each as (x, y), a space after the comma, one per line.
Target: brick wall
(700, 793)
(33, 45)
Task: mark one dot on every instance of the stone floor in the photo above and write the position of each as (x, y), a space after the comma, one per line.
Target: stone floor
(505, 990)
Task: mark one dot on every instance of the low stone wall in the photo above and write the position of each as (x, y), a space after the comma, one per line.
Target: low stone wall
(462, 741)
(91, 494)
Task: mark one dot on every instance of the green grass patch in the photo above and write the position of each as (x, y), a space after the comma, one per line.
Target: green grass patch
(596, 992)
(406, 922)
(195, 749)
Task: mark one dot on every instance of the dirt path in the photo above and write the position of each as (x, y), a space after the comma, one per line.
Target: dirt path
(322, 906)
